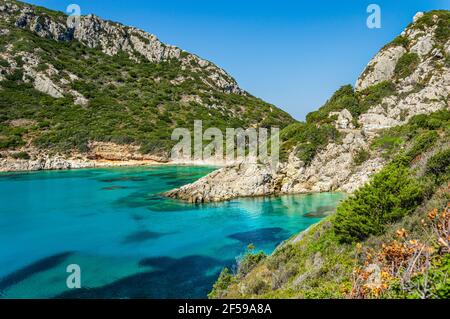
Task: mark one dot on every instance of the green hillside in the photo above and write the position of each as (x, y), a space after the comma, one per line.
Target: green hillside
(129, 100)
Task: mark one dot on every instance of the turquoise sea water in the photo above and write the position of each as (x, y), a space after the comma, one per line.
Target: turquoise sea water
(129, 241)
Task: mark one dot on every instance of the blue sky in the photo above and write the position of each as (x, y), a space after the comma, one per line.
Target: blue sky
(293, 53)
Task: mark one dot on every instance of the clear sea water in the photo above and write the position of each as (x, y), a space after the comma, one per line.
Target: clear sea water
(129, 241)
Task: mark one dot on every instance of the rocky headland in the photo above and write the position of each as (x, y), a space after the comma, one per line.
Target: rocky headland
(416, 66)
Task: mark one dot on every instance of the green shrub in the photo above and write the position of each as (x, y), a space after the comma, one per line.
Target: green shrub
(422, 143)
(308, 138)
(434, 121)
(388, 144)
(442, 32)
(222, 283)
(436, 280)
(406, 65)
(249, 261)
(355, 102)
(11, 142)
(257, 287)
(21, 155)
(428, 19)
(375, 94)
(16, 76)
(361, 157)
(4, 63)
(390, 195)
(344, 98)
(400, 40)
(439, 165)
(439, 276)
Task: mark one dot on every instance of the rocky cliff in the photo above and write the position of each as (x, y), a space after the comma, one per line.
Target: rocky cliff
(110, 37)
(408, 77)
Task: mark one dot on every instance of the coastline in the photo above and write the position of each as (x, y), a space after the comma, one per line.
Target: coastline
(59, 163)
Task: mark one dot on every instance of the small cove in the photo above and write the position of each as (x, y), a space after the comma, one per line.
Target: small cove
(129, 241)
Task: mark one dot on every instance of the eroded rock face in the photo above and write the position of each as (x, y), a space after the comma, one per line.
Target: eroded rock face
(424, 45)
(116, 152)
(41, 80)
(332, 169)
(45, 85)
(43, 163)
(42, 26)
(99, 155)
(424, 91)
(417, 16)
(381, 68)
(447, 48)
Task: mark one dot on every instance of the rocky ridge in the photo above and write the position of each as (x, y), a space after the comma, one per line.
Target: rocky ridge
(423, 90)
(112, 38)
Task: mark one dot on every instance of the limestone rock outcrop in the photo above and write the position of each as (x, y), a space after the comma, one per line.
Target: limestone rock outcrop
(112, 38)
(381, 68)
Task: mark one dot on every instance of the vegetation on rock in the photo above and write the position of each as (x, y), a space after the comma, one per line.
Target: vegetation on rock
(406, 65)
(387, 222)
(390, 195)
(310, 137)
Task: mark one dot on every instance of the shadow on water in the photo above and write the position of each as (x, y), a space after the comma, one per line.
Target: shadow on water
(187, 277)
(261, 236)
(123, 179)
(142, 236)
(152, 202)
(50, 175)
(236, 246)
(320, 212)
(113, 188)
(37, 267)
(137, 217)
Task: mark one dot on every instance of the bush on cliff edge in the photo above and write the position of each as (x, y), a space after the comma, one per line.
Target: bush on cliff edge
(391, 195)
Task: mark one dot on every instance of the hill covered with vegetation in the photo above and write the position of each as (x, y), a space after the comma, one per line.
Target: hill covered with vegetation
(63, 88)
